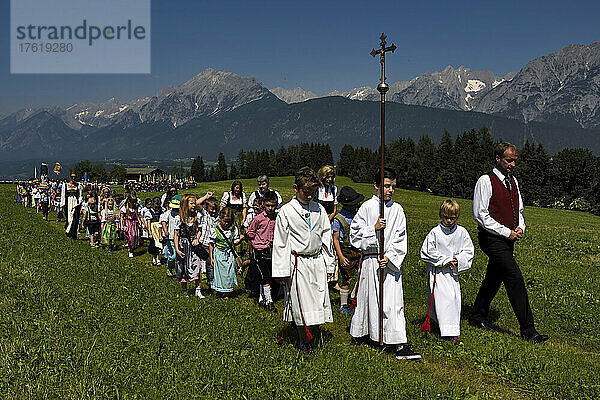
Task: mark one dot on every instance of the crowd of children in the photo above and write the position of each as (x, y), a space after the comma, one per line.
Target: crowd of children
(291, 250)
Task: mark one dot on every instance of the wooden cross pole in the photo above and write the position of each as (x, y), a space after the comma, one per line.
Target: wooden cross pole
(382, 88)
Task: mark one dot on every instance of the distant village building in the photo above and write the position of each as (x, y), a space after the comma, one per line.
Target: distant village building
(145, 174)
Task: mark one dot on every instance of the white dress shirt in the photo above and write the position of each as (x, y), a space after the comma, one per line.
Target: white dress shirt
(481, 202)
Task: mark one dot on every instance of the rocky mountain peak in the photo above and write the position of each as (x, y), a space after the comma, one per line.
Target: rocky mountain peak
(562, 87)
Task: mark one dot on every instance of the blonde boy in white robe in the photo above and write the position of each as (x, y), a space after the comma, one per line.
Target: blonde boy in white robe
(364, 235)
(303, 258)
(448, 251)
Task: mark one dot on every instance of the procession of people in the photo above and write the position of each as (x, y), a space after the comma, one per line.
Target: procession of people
(294, 250)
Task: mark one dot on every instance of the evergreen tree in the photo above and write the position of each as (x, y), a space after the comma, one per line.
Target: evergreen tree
(400, 155)
(81, 168)
(326, 155)
(426, 163)
(98, 173)
(118, 173)
(241, 162)
(233, 172)
(282, 162)
(211, 174)
(445, 182)
(346, 161)
(573, 172)
(273, 170)
(197, 169)
(221, 169)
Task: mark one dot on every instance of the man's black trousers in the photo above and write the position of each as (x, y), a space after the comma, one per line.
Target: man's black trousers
(502, 268)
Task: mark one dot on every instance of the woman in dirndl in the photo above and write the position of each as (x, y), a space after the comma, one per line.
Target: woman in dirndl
(70, 199)
(236, 201)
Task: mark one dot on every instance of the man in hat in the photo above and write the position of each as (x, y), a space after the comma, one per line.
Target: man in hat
(348, 256)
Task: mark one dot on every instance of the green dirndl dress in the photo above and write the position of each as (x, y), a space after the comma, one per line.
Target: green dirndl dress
(109, 232)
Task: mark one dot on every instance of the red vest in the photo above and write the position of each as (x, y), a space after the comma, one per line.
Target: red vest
(504, 205)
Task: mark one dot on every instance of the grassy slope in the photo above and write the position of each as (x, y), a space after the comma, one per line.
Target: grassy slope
(77, 322)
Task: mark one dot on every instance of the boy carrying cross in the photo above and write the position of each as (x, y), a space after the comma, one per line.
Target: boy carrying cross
(364, 232)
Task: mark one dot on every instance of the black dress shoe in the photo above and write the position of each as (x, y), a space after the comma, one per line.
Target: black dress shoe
(536, 337)
(480, 325)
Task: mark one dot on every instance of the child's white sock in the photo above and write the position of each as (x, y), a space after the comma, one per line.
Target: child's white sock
(267, 293)
(261, 296)
(344, 297)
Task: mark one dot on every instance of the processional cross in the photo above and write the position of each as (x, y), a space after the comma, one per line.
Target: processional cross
(382, 88)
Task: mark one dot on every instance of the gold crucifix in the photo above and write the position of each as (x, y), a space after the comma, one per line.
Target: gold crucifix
(383, 87)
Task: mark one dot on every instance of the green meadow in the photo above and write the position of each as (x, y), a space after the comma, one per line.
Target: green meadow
(78, 322)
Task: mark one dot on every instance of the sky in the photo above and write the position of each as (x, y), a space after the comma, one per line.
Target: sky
(316, 45)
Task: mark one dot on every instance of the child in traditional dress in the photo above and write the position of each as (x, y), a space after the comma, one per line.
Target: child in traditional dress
(144, 211)
(91, 219)
(260, 233)
(448, 251)
(45, 202)
(223, 238)
(365, 234)
(151, 218)
(347, 255)
(209, 208)
(132, 221)
(303, 258)
(326, 193)
(167, 220)
(56, 203)
(187, 239)
(253, 276)
(109, 216)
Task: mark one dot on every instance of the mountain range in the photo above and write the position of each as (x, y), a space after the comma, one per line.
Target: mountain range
(554, 100)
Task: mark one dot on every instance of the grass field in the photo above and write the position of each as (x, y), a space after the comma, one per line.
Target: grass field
(77, 322)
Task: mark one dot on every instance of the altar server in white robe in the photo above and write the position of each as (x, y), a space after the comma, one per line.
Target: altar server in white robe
(303, 258)
(448, 251)
(364, 235)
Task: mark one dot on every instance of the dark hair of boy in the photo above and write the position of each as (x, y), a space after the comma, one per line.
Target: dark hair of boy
(147, 202)
(306, 178)
(387, 173)
(270, 197)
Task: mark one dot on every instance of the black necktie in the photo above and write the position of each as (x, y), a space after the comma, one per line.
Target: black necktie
(507, 182)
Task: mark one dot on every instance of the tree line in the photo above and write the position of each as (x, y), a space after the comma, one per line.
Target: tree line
(569, 179)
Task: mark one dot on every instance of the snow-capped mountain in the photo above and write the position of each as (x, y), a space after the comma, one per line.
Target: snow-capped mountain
(208, 93)
(562, 87)
(454, 89)
(295, 95)
(99, 115)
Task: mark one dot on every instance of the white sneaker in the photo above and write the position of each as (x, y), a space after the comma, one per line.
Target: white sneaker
(130, 254)
(199, 293)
